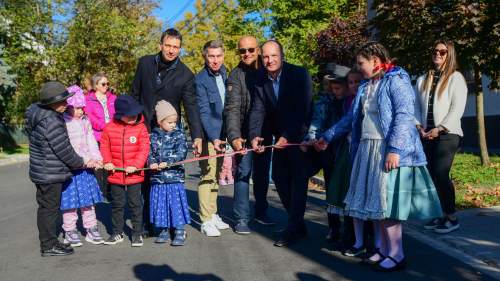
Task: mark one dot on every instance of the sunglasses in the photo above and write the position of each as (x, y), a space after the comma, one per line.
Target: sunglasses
(105, 84)
(441, 52)
(244, 50)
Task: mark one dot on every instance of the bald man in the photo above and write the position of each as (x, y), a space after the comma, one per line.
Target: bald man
(240, 88)
(282, 100)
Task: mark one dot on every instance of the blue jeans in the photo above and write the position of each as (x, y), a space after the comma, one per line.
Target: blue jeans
(260, 164)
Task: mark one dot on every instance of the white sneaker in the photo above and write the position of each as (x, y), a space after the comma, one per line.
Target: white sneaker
(217, 221)
(209, 229)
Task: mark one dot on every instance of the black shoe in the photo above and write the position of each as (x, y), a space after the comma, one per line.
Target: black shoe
(264, 220)
(57, 250)
(398, 265)
(432, 224)
(137, 241)
(354, 252)
(114, 239)
(289, 238)
(368, 261)
(447, 226)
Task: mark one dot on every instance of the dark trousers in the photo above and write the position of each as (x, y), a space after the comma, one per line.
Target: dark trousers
(102, 179)
(257, 166)
(146, 190)
(48, 197)
(132, 195)
(291, 177)
(440, 153)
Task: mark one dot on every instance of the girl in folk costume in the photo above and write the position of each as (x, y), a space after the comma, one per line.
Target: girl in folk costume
(82, 190)
(389, 181)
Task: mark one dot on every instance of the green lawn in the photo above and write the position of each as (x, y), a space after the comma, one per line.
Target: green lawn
(476, 186)
(21, 149)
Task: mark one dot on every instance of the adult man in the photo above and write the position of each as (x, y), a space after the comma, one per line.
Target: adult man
(211, 94)
(283, 99)
(240, 87)
(163, 76)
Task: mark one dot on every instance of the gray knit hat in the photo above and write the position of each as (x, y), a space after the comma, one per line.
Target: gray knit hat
(163, 110)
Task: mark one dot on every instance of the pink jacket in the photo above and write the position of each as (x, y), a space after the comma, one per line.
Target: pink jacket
(81, 138)
(95, 112)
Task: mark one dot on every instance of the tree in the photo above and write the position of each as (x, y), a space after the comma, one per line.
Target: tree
(409, 29)
(295, 23)
(7, 84)
(24, 29)
(107, 36)
(223, 20)
(340, 40)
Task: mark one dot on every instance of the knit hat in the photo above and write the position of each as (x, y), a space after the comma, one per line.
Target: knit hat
(53, 92)
(163, 110)
(78, 98)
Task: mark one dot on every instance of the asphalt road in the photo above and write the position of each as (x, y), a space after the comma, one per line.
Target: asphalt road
(229, 257)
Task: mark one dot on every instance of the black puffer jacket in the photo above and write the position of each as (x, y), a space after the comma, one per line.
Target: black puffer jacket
(51, 155)
(240, 88)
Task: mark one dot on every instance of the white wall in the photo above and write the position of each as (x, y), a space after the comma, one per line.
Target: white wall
(491, 101)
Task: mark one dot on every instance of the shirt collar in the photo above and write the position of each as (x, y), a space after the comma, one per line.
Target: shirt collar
(278, 78)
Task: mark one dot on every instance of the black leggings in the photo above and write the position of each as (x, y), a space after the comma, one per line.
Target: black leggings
(440, 153)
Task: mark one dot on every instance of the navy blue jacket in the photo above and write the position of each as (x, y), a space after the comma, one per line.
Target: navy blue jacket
(289, 115)
(169, 147)
(210, 103)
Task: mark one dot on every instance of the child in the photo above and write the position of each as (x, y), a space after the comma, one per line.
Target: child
(391, 182)
(226, 173)
(51, 160)
(82, 190)
(168, 202)
(328, 110)
(125, 144)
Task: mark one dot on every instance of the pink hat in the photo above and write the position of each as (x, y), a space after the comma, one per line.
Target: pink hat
(77, 99)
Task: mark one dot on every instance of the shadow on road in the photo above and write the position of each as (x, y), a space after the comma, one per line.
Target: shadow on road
(149, 272)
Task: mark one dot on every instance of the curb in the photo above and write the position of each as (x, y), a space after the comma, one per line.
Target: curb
(475, 262)
(451, 251)
(13, 159)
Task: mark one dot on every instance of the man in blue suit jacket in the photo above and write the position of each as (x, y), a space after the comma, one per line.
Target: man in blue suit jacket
(283, 100)
(211, 94)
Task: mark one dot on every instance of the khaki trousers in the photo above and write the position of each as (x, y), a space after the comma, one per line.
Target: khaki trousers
(208, 186)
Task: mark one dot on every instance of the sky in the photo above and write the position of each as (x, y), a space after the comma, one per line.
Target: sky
(172, 11)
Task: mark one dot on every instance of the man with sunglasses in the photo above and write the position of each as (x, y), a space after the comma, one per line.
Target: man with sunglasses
(240, 87)
(163, 76)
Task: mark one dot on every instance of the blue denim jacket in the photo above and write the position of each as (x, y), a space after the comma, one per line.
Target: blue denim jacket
(169, 147)
(396, 103)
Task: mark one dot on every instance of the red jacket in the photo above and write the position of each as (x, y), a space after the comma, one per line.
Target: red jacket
(125, 145)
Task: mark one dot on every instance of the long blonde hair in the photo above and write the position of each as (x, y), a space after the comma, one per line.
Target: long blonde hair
(448, 68)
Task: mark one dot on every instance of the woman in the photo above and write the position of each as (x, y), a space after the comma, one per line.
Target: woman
(100, 109)
(441, 97)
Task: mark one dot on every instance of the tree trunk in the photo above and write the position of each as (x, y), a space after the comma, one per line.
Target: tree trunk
(481, 129)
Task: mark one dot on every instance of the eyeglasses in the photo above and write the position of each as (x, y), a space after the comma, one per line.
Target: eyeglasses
(441, 52)
(105, 84)
(244, 50)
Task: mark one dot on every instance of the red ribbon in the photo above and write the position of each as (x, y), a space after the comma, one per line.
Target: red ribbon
(201, 158)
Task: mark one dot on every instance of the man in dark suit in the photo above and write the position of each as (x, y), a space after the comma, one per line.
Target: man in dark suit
(163, 76)
(283, 99)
